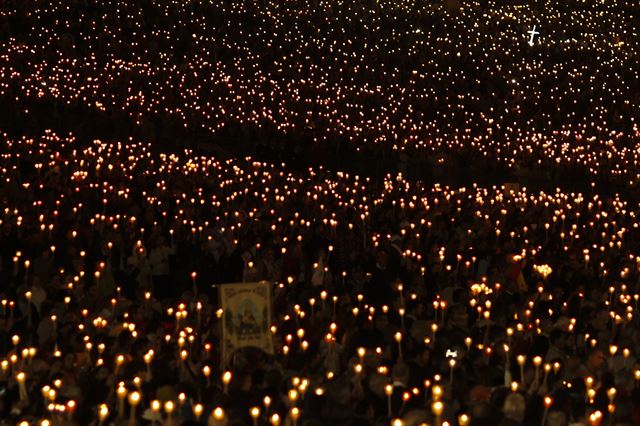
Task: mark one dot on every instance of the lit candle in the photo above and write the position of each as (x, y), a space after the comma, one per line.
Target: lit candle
(452, 365)
(613, 349)
(537, 362)
(54, 320)
(463, 420)
(295, 415)
(148, 357)
(26, 267)
(226, 379)
(134, 399)
(506, 358)
(293, 396)
(388, 390)
(398, 337)
(626, 353)
(437, 407)
(611, 394)
(548, 402)
(361, 353)
(467, 342)
(197, 411)
(155, 409)
(358, 370)
(218, 414)
(275, 420)
(28, 296)
(206, 370)
(436, 392)
(547, 370)
(509, 335)
(169, 407)
(121, 394)
(71, 406)
(103, 413)
(267, 403)
(21, 378)
(255, 415)
(119, 362)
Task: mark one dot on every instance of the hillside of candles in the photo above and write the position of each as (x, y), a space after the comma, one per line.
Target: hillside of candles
(484, 272)
(311, 76)
(319, 213)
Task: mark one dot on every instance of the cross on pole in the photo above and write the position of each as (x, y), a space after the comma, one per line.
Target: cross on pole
(532, 33)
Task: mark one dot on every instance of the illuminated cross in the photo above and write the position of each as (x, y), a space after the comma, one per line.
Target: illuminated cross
(533, 33)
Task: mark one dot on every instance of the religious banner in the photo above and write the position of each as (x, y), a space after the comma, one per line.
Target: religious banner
(246, 319)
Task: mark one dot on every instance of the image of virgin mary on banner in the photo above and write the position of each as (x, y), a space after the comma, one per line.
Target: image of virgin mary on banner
(246, 317)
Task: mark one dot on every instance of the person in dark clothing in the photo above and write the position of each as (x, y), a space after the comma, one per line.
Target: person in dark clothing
(379, 289)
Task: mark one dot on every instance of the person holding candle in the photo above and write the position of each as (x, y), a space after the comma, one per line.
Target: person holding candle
(380, 287)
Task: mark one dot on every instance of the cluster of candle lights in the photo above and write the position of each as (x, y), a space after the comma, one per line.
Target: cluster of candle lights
(409, 74)
(205, 74)
(288, 205)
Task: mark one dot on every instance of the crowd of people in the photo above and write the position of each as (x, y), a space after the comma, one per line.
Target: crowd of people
(325, 78)
(393, 303)
(394, 300)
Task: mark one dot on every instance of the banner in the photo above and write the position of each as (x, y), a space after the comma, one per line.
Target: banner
(246, 317)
